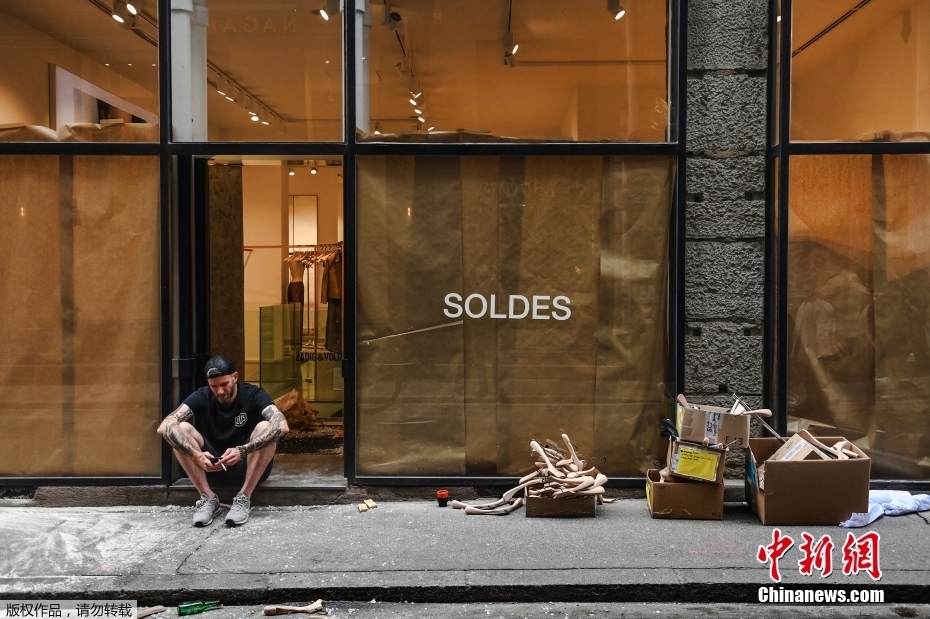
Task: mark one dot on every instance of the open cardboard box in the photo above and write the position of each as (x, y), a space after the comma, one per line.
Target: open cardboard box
(695, 422)
(805, 492)
(683, 499)
(569, 507)
(696, 462)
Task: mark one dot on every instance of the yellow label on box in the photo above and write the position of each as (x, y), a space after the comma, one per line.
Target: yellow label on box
(697, 463)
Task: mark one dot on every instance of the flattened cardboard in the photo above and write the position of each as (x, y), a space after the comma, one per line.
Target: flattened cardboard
(696, 462)
(696, 422)
(796, 448)
(683, 499)
(544, 507)
(806, 492)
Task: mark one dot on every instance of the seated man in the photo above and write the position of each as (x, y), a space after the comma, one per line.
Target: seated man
(227, 434)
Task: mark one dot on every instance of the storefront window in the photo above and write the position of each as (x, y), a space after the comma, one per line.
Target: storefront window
(502, 299)
(246, 71)
(80, 353)
(71, 72)
(860, 71)
(499, 70)
(859, 305)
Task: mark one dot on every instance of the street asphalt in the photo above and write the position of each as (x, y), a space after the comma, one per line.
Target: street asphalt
(408, 556)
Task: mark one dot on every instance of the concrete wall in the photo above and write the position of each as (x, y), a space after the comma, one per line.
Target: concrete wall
(725, 178)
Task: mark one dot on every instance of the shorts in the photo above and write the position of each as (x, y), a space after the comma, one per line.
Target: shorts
(234, 476)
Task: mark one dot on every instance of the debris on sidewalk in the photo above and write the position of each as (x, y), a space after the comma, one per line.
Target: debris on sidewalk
(371, 504)
(194, 608)
(282, 610)
(560, 476)
(152, 610)
(362, 507)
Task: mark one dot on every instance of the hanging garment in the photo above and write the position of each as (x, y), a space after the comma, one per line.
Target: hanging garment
(332, 280)
(334, 326)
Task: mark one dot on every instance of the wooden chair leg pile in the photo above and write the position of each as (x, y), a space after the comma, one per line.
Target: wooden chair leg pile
(559, 475)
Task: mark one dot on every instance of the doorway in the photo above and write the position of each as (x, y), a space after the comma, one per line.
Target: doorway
(279, 223)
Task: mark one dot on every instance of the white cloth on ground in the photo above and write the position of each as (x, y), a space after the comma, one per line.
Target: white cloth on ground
(888, 503)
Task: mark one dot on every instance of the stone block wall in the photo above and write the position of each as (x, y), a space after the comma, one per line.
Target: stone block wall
(725, 218)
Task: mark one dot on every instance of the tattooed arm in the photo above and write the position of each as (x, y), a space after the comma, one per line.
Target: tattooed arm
(171, 432)
(277, 427)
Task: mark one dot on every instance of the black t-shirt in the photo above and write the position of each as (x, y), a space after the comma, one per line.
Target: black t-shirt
(228, 427)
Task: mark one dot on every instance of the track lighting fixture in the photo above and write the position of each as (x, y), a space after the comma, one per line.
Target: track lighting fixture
(290, 172)
(223, 87)
(431, 128)
(135, 6)
(510, 46)
(313, 170)
(413, 102)
(393, 20)
(322, 13)
(510, 60)
(614, 6)
(120, 11)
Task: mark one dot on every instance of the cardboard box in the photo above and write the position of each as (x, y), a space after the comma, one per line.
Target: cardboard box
(573, 507)
(695, 461)
(796, 448)
(696, 422)
(683, 499)
(805, 492)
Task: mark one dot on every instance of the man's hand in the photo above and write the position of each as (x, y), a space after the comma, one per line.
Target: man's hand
(230, 457)
(206, 463)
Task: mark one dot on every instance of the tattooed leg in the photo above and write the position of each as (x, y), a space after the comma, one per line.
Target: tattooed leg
(193, 469)
(257, 460)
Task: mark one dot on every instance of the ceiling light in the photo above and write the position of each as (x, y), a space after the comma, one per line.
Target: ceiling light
(255, 118)
(413, 102)
(416, 111)
(510, 46)
(377, 132)
(135, 6)
(431, 128)
(421, 119)
(312, 170)
(265, 122)
(393, 20)
(778, 18)
(223, 86)
(416, 95)
(614, 7)
(120, 12)
(291, 172)
(509, 60)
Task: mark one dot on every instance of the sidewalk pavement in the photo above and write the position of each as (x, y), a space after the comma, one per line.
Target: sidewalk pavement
(418, 552)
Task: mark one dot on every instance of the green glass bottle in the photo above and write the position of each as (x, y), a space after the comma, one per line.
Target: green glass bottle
(192, 608)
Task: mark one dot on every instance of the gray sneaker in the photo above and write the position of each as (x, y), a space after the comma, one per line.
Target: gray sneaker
(239, 512)
(207, 508)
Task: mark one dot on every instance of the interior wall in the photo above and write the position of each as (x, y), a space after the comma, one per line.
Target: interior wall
(879, 83)
(24, 75)
(264, 222)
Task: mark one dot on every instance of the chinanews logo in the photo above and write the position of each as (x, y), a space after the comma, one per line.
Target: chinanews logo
(241, 419)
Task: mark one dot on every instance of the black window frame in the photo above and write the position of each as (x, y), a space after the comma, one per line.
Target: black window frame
(775, 361)
(183, 267)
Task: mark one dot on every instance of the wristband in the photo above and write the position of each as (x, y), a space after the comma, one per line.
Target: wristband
(242, 451)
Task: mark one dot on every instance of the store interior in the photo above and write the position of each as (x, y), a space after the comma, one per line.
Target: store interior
(276, 282)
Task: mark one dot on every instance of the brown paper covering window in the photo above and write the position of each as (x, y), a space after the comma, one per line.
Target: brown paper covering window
(464, 396)
(79, 343)
(859, 304)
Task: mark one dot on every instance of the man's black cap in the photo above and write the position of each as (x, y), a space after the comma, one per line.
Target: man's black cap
(220, 365)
